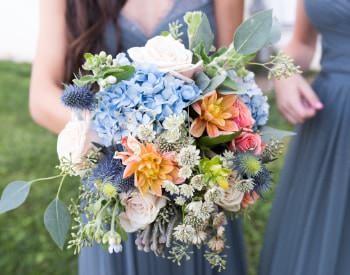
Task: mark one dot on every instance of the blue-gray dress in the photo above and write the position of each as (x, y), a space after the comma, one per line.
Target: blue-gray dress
(95, 260)
(309, 228)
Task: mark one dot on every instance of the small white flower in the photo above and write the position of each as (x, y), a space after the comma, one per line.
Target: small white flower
(188, 156)
(221, 231)
(172, 136)
(102, 82)
(180, 200)
(214, 194)
(186, 190)
(171, 187)
(111, 79)
(173, 122)
(103, 54)
(115, 248)
(184, 233)
(146, 133)
(199, 237)
(197, 182)
(185, 172)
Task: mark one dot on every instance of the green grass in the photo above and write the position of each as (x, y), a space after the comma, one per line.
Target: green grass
(28, 152)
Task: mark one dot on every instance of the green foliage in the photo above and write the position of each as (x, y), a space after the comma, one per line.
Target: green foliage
(14, 195)
(57, 221)
(213, 141)
(269, 133)
(199, 30)
(251, 35)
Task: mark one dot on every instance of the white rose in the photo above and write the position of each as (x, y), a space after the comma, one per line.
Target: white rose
(231, 201)
(75, 140)
(168, 54)
(140, 210)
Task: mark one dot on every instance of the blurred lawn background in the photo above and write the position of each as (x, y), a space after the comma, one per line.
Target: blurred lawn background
(28, 152)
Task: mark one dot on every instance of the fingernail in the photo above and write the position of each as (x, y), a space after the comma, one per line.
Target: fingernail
(319, 105)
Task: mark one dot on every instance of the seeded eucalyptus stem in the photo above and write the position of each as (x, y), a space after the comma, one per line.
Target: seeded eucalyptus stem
(60, 186)
(48, 178)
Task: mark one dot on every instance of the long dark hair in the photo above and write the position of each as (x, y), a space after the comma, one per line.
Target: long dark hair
(86, 21)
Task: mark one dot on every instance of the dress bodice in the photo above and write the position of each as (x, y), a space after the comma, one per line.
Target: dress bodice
(332, 19)
(133, 36)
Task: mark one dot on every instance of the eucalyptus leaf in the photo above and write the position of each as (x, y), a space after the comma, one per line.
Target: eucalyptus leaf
(14, 195)
(57, 221)
(121, 72)
(252, 34)
(84, 80)
(229, 84)
(215, 82)
(202, 80)
(275, 34)
(214, 141)
(199, 30)
(269, 133)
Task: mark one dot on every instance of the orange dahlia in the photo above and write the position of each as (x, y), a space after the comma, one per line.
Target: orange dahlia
(216, 115)
(150, 167)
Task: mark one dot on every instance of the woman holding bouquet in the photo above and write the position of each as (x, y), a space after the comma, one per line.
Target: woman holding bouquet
(309, 229)
(70, 28)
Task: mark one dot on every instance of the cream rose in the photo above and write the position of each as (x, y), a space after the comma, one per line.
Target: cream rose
(140, 210)
(168, 54)
(231, 201)
(75, 140)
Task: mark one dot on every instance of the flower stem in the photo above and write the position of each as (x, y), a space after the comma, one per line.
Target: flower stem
(113, 216)
(48, 178)
(60, 186)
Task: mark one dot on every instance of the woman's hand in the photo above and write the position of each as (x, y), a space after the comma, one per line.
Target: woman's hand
(296, 100)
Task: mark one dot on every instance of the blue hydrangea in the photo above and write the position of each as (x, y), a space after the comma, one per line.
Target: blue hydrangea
(148, 97)
(254, 98)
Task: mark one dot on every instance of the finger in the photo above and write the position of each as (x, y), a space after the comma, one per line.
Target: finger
(287, 114)
(310, 96)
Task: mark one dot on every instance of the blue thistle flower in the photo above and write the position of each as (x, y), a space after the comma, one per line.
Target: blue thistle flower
(262, 181)
(78, 97)
(247, 165)
(110, 170)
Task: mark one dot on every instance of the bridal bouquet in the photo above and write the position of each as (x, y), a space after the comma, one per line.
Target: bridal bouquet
(169, 142)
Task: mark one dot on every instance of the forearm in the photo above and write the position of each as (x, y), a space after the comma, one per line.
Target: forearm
(46, 108)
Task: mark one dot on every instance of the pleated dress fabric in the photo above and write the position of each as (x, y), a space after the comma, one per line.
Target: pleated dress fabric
(95, 260)
(309, 228)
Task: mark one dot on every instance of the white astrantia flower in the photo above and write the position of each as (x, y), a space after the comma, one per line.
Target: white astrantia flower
(180, 200)
(200, 210)
(197, 182)
(186, 190)
(171, 187)
(185, 172)
(184, 233)
(220, 231)
(199, 237)
(146, 133)
(188, 156)
(172, 136)
(214, 194)
(174, 121)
